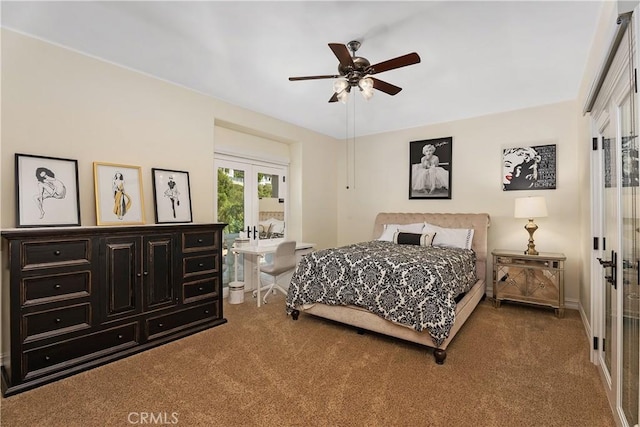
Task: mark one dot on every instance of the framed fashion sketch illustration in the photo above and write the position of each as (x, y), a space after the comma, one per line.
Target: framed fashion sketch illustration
(171, 196)
(430, 168)
(118, 191)
(46, 191)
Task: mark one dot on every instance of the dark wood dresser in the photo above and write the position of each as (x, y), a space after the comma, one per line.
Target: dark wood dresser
(76, 298)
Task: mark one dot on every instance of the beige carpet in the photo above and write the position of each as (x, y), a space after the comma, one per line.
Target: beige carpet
(513, 366)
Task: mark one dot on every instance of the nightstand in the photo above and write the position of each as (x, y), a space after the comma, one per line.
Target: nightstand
(534, 279)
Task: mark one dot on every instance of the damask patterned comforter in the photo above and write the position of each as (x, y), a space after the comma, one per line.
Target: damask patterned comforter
(411, 285)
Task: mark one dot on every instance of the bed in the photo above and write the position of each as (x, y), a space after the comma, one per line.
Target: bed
(433, 323)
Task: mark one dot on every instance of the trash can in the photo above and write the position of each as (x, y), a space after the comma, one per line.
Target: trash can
(236, 292)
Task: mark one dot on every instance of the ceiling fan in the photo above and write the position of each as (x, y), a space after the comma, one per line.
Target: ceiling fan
(356, 71)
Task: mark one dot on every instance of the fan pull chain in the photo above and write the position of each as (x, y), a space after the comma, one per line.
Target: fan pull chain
(346, 144)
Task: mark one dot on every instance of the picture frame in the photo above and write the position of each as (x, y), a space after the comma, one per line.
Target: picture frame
(47, 192)
(529, 168)
(430, 166)
(171, 196)
(118, 194)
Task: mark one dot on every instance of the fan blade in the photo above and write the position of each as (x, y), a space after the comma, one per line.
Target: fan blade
(334, 98)
(385, 87)
(392, 64)
(293, 79)
(342, 53)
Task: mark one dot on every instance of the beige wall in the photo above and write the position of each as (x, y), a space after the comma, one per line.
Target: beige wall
(59, 103)
(382, 180)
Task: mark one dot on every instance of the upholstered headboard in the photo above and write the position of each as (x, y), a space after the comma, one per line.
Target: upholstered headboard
(265, 215)
(478, 221)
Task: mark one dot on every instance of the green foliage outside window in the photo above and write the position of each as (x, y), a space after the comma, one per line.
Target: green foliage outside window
(230, 201)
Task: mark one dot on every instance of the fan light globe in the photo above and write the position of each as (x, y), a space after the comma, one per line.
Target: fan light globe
(366, 84)
(340, 85)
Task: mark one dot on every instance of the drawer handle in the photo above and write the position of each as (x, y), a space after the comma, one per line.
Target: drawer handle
(146, 273)
(160, 325)
(201, 289)
(201, 264)
(47, 358)
(58, 320)
(199, 240)
(120, 336)
(57, 286)
(56, 253)
(206, 312)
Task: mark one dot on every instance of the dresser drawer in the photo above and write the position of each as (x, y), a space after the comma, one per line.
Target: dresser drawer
(47, 254)
(46, 359)
(194, 291)
(54, 287)
(198, 240)
(162, 325)
(200, 265)
(44, 324)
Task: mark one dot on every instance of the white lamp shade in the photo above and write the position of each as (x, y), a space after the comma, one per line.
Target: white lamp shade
(530, 207)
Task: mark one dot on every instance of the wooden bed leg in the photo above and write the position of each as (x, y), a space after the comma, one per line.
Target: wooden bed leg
(440, 355)
(295, 314)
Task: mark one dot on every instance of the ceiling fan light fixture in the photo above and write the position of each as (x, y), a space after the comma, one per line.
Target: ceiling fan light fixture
(339, 85)
(366, 84)
(343, 96)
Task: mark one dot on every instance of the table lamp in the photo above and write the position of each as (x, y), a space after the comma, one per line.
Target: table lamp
(530, 207)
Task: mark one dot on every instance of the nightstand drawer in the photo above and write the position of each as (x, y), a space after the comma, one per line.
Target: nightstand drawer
(42, 289)
(49, 254)
(54, 322)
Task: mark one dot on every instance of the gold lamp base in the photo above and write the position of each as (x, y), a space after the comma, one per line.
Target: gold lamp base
(531, 227)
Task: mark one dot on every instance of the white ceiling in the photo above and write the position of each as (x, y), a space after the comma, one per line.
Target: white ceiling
(478, 57)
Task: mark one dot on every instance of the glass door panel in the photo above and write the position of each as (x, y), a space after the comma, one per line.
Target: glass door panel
(610, 243)
(630, 263)
(271, 204)
(233, 200)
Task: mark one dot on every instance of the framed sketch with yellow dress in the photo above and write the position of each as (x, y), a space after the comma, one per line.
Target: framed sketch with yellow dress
(118, 191)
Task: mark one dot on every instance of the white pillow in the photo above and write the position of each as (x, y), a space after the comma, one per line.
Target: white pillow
(277, 226)
(450, 237)
(390, 229)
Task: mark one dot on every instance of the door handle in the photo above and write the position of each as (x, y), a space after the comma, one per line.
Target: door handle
(605, 264)
(255, 232)
(613, 265)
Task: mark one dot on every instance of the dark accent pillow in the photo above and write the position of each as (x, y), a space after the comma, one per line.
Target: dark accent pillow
(423, 239)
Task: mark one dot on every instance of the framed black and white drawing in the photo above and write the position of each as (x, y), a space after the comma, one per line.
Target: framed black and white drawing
(118, 191)
(46, 191)
(171, 196)
(430, 163)
(529, 168)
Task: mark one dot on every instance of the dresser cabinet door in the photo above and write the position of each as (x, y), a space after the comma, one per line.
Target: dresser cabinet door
(159, 281)
(122, 276)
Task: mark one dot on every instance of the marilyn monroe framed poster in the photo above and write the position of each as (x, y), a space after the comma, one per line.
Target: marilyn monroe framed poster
(430, 168)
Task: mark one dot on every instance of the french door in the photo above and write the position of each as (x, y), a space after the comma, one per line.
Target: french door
(252, 201)
(616, 214)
